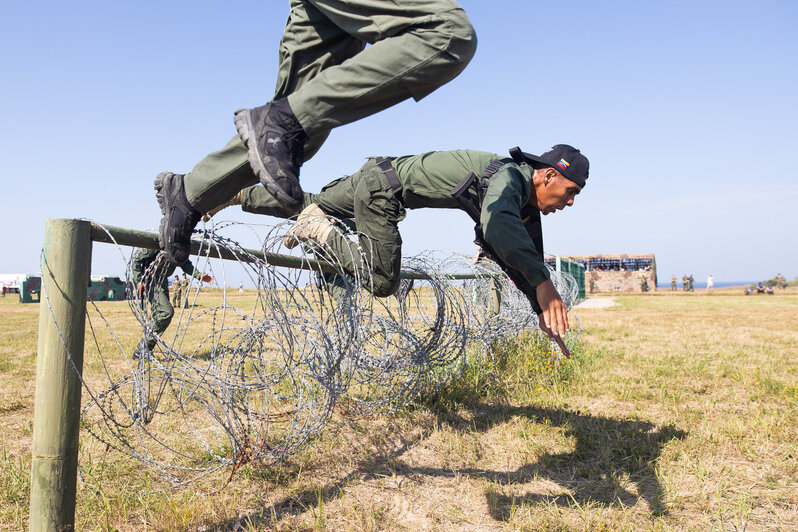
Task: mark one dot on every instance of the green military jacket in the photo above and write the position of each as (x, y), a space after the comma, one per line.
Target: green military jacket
(144, 258)
(428, 179)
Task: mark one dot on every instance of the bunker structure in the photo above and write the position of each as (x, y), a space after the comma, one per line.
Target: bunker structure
(618, 273)
(100, 287)
(28, 286)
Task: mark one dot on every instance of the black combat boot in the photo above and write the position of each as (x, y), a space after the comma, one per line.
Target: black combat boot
(275, 144)
(179, 217)
(143, 350)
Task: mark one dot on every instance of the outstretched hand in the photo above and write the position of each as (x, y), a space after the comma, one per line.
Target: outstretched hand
(555, 315)
(556, 339)
(207, 278)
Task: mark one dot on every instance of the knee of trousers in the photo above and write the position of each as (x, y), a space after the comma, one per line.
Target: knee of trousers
(385, 285)
(458, 42)
(463, 43)
(455, 43)
(161, 319)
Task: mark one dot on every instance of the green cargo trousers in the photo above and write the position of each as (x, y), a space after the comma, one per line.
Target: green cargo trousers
(367, 197)
(161, 312)
(331, 78)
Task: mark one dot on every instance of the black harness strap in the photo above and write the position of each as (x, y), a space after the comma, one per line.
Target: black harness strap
(459, 194)
(494, 166)
(482, 185)
(384, 163)
(491, 169)
(518, 155)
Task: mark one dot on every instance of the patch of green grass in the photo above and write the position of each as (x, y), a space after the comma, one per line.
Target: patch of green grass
(14, 487)
(520, 369)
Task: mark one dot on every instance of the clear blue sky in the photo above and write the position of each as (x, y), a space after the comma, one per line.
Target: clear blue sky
(687, 111)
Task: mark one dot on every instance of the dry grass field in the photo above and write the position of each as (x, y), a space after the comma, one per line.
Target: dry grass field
(678, 412)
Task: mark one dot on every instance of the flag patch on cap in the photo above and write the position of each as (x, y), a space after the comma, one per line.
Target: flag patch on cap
(563, 164)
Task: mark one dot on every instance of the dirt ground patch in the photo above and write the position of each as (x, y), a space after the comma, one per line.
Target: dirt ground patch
(597, 302)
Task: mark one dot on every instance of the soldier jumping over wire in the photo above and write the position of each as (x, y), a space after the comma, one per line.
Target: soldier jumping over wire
(504, 196)
(327, 77)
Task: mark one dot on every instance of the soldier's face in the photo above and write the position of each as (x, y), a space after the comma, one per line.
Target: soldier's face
(553, 192)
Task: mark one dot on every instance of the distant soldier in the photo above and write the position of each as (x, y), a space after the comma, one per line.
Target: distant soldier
(177, 291)
(592, 285)
(643, 283)
(150, 272)
(673, 283)
(684, 283)
(186, 286)
(690, 283)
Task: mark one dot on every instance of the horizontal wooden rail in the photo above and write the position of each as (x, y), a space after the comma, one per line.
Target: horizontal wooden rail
(141, 239)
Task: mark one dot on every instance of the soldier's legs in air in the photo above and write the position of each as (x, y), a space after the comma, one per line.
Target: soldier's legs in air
(331, 80)
(416, 46)
(310, 43)
(222, 174)
(218, 177)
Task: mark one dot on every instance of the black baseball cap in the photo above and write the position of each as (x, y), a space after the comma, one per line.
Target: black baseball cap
(564, 158)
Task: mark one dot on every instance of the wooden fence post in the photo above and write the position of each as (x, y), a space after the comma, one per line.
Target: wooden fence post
(66, 265)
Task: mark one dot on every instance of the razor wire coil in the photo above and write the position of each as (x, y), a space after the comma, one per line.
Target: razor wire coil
(240, 379)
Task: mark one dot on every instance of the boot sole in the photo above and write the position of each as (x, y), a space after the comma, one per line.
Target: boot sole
(159, 195)
(165, 206)
(246, 130)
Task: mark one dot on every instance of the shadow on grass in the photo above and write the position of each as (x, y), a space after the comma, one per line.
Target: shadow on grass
(606, 450)
(606, 453)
